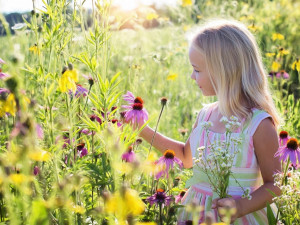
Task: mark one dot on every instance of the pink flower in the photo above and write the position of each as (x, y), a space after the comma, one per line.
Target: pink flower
(136, 112)
(167, 162)
(291, 151)
(129, 97)
(129, 155)
(95, 117)
(81, 150)
(283, 73)
(283, 138)
(3, 75)
(39, 131)
(179, 197)
(2, 61)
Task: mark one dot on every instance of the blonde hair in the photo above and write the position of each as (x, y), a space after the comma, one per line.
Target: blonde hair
(235, 68)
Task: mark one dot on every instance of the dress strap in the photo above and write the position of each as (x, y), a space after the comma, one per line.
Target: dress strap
(257, 117)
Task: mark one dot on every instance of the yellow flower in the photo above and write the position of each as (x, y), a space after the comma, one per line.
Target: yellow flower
(67, 81)
(277, 36)
(185, 3)
(151, 16)
(35, 49)
(254, 28)
(270, 54)
(172, 76)
(9, 105)
(145, 223)
(72, 74)
(124, 204)
(39, 155)
(199, 17)
(282, 52)
(275, 66)
(186, 27)
(296, 65)
(75, 208)
(18, 178)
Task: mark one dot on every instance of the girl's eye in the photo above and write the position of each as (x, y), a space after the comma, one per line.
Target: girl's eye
(196, 71)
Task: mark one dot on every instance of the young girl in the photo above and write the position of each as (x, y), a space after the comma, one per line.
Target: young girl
(226, 62)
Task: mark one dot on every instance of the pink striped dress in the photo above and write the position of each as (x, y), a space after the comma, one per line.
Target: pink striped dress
(245, 168)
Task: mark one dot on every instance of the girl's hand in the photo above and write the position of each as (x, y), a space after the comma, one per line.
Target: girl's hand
(227, 207)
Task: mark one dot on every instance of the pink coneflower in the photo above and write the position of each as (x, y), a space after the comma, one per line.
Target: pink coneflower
(180, 196)
(136, 112)
(160, 197)
(291, 151)
(81, 150)
(95, 117)
(90, 79)
(283, 73)
(116, 121)
(129, 97)
(129, 155)
(86, 131)
(167, 162)
(3, 75)
(283, 138)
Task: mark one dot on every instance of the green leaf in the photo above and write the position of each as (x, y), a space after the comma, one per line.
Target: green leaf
(270, 215)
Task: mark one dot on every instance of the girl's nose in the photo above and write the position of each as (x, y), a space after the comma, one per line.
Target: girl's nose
(193, 76)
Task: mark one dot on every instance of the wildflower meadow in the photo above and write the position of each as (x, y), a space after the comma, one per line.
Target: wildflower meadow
(75, 84)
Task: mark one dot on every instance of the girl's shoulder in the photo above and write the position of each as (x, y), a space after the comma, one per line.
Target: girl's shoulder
(204, 110)
(257, 116)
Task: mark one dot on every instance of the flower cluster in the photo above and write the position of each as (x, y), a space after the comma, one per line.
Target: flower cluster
(216, 159)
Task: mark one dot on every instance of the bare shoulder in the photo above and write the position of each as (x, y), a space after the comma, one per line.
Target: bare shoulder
(265, 141)
(265, 131)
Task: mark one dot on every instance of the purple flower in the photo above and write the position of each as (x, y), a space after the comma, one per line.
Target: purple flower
(115, 121)
(36, 170)
(4, 90)
(3, 75)
(283, 138)
(283, 73)
(291, 151)
(80, 91)
(160, 197)
(179, 197)
(86, 131)
(95, 117)
(136, 112)
(167, 162)
(129, 155)
(81, 150)
(2, 61)
(129, 97)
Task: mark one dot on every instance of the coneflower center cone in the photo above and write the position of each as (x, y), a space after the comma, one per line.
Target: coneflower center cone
(137, 106)
(169, 154)
(292, 144)
(283, 134)
(138, 100)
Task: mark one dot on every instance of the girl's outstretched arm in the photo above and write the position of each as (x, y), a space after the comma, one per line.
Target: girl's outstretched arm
(162, 143)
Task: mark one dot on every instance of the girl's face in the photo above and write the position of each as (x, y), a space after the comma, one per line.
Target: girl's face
(200, 73)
